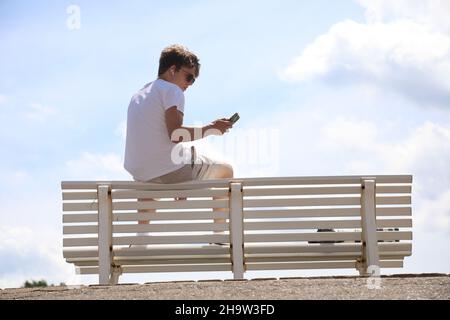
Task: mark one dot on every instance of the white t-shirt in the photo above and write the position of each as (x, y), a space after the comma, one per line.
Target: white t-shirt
(148, 147)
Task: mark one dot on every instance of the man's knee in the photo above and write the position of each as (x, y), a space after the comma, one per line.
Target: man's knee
(227, 170)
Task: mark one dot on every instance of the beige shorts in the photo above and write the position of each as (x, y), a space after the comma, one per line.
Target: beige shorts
(204, 168)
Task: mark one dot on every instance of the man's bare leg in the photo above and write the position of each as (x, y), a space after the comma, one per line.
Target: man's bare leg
(145, 210)
(221, 172)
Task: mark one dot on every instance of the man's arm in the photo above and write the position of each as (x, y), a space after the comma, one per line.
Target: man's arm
(179, 133)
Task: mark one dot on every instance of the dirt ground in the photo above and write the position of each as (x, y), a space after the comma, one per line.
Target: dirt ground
(404, 286)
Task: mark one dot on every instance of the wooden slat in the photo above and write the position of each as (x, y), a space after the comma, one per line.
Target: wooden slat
(325, 236)
(398, 211)
(80, 242)
(394, 235)
(272, 248)
(181, 204)
(181, 215)
(148, 262)
(84, 217)
(317, 258)
(344, 201)
(397, 179)
(133, 194)
(393, 189)
(213, 238)
(177, 268)
(79, 195)
(299, 265)
(258, 248)
(393, 200)
(300, 191)
(316, 265)
(170, 250)
(301, 213)
(394, 223)
(68, 253)
(317, 224)
(80, 230)
(325, 224)
(80, 206)
(172, 227)
(162, 268)
(316, 236)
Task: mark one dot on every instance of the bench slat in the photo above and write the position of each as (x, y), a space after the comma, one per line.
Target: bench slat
(316, 265)
(170, 250)
(341, 201)
(80, 206)
(353, 257)
(324, 236)
(397, 211)
(140, 261)
(393, 189)
(301, 213)
(79, 195)
(178, 227)
(213, 238)
(317, 224)
(250, 249)
(80, 230)
(258, 248)
(80, 242)
(181, 204)
(173, 227)
(155, 250)
(162, 268)
(181, 215)
(394, 223)
(393, 200)
(316, 212)
(127, 194)
(397, 179)
(84, 217)
(248, 191)
(325, 224)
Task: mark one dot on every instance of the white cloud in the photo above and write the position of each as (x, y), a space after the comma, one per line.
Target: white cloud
(404, 55)
(90, 166)
(39, 112)
(2, 99)
(434, 13)
(30, 254)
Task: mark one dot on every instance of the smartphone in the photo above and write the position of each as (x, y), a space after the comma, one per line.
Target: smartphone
(235, 117)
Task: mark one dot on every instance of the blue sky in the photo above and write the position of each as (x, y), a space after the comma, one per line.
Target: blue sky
(342, 87)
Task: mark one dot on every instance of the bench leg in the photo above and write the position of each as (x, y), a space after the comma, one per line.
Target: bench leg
(116, 273)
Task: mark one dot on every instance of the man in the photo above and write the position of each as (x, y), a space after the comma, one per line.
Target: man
(153, 152)
(155, 126)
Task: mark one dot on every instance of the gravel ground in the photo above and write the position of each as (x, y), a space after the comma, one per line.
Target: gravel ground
(412, 286)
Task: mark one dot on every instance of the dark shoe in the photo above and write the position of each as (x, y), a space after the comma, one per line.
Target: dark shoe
(326, 230)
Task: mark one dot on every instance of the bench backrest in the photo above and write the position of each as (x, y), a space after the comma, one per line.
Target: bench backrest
(272, 224)
(174, 226)
(282, 218)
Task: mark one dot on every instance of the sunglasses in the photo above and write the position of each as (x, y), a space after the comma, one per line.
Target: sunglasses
(190, 78)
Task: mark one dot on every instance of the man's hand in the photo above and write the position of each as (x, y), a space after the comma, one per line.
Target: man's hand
(222, 125)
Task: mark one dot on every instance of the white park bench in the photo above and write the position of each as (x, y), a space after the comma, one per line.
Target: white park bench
(270, 224)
